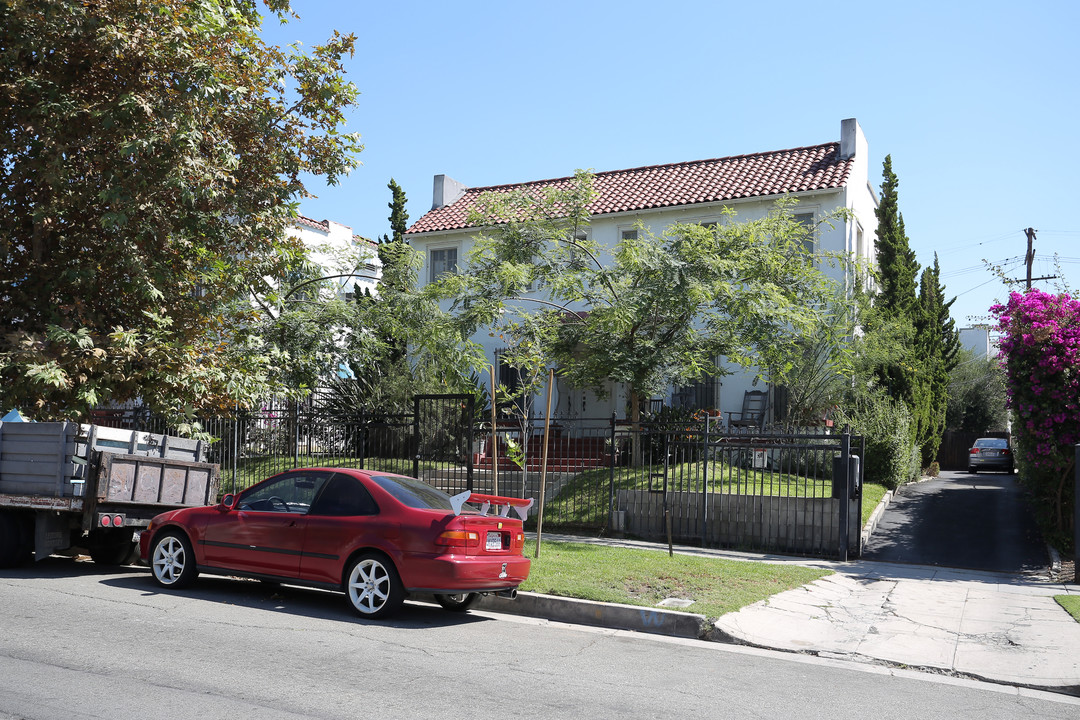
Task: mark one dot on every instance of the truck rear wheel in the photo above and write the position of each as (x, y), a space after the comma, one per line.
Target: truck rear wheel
(16, 539)
(113, 546)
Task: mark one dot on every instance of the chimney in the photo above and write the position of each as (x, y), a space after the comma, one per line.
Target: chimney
(446, 191)
(852, 141)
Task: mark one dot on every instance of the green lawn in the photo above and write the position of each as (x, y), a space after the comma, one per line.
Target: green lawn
(645, 577)
(1071, 603)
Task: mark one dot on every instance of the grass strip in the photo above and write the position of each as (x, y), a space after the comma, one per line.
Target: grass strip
(715, 586)
(1071, 603)
(872, 494)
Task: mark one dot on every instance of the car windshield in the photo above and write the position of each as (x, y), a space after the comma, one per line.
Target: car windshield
(414, 493)
(991, 443)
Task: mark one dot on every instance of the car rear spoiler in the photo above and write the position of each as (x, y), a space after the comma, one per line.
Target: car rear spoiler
(502, 504)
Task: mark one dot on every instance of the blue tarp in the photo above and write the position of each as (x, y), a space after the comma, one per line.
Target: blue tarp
(13, 416)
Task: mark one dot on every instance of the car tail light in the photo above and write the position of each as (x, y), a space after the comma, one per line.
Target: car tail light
(973, 451)
(459, 538)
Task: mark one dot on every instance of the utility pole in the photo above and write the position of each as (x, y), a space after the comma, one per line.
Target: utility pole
(1030, 259)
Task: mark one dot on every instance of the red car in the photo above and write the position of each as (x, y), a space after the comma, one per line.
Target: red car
(375, 536)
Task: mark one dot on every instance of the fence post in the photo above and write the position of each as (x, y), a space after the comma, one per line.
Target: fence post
(362, 431)
(470, 438)
(845, 494)
(236, 447)
(705, 463)
(611, 475)
(416, 436)
(294, 417)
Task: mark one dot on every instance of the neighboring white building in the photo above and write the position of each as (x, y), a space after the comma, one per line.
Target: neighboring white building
(976, 339)
(824, 178)
(352, 261)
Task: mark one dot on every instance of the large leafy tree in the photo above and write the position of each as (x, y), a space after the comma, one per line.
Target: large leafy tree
(653, 309)
(153, 155)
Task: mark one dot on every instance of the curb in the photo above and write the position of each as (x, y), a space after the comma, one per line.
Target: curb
(656, 621)
(871, 524)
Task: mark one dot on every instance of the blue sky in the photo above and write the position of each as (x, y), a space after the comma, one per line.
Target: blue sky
(976, 102)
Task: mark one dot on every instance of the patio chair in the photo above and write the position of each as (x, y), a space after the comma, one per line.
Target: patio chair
(755, 406)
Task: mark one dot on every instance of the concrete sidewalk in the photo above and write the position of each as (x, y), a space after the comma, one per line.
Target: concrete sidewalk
(988, 626)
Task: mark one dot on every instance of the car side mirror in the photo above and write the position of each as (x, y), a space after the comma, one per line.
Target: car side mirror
(228, 502)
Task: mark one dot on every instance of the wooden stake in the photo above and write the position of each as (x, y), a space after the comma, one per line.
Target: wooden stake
(544, 462)
(494, 437)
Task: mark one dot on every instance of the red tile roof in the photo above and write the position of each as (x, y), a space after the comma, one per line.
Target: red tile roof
(323, 225)
(818, 167)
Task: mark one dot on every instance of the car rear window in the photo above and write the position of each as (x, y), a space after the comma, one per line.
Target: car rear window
(991, 443)
(413, 493)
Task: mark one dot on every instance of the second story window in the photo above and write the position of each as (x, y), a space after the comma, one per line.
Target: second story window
(443, 260)
(807, 221)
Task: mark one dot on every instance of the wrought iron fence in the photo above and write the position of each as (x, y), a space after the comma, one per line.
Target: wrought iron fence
(689, 480)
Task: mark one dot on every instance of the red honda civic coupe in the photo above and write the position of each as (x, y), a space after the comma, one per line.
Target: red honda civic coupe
(375, 536)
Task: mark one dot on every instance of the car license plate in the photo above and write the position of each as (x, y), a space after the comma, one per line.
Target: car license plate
(494, 541)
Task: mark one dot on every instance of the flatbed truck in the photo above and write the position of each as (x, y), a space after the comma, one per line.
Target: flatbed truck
(70, 487)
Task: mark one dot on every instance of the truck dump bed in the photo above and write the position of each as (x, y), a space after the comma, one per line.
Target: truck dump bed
(63, 464)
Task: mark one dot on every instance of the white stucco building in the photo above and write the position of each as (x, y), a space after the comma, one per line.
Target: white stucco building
(824, 178)
(977, 340)
(350, 260)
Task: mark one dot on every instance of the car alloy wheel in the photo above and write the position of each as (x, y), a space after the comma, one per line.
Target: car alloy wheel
(172, 562)
(373, 586)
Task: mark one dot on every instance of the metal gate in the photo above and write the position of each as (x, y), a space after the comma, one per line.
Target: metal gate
(443, 440)
(761, 491)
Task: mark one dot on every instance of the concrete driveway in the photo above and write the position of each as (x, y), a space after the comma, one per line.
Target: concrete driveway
(961, 520)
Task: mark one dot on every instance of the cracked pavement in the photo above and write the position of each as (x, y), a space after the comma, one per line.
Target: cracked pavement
(989, 626)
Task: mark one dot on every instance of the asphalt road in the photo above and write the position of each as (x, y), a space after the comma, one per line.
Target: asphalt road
(79, 642)
(960, 520)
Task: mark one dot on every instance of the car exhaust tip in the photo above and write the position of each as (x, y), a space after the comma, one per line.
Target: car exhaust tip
(508, 594)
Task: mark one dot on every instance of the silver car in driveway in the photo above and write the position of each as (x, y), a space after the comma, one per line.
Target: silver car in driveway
(990, 454)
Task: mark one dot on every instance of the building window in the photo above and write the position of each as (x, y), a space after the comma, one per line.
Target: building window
(628, 235)
(512, 403)
(808, 240)
(443, 260)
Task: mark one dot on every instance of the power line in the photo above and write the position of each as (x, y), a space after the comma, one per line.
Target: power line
(975, 242)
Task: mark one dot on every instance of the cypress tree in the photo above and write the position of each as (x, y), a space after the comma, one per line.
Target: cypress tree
(894, 302)
(897, 267)
(399, 219)
(390, 245)
(937, 345)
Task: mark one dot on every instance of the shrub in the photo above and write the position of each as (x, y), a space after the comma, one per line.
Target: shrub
(892, 459)
(1041, 349)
